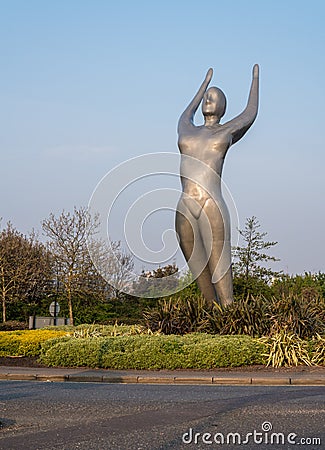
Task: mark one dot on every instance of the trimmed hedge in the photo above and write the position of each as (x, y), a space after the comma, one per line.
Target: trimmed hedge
(25, 342)
(196, 351)
(131, 347)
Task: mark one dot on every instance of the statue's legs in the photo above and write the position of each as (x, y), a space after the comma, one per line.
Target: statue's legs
(220, 264)
(214, 224)
(224, 288)
(192, 246)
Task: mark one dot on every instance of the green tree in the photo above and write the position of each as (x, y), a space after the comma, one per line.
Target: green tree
(308, 285)
(157, 282)
(251, 269)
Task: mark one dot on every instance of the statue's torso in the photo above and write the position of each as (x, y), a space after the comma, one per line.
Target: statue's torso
(201, 173)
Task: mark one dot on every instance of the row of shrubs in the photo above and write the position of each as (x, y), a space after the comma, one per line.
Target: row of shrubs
(29, 342)
(301, 315)
(133, 348)
(196, 351)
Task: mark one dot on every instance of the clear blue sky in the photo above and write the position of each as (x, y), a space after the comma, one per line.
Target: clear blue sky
(86, 85)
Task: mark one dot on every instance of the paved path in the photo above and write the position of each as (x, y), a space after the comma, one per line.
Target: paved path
(296, 376)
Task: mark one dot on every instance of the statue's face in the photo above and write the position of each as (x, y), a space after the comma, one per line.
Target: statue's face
(214, 102)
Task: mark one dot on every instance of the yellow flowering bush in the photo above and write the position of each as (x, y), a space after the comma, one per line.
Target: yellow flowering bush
(26, 342)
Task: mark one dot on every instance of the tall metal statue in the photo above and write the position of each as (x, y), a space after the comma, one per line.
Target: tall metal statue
(202, 217)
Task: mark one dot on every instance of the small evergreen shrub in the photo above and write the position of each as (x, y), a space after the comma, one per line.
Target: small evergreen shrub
(70, 352)
(155, 352)
(12, 325)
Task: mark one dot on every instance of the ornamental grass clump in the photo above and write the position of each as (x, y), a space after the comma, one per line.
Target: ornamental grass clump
(252, 316)
(318, 350)
(177, 316)
(302, 315)
(246, 316)
(88, 331)
(286, 349)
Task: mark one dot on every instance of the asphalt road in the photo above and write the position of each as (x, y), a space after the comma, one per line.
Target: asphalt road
(87, 416)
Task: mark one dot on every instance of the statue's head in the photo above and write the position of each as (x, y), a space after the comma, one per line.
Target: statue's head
(214, 102)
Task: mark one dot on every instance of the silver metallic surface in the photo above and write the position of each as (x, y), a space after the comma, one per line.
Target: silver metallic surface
(202, 218)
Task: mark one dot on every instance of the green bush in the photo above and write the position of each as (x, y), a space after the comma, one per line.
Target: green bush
(209, 351)
(71, 352)
(13, 325)
(155, 352)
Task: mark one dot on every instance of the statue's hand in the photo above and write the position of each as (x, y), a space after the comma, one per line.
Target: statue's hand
(209, 75)
(255, 71)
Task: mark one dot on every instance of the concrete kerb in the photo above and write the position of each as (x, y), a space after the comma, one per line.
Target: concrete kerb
(165, 377)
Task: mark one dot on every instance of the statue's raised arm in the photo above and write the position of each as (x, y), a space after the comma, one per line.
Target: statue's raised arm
(240, 124)
(187, 117)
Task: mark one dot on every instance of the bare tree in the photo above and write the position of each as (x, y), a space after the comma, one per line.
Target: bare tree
(68, 236)
(114, 264)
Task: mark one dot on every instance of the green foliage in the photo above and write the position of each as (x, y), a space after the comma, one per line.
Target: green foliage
(133, 347)
(13, 325)
(157, 282)
(246, 316)
(198, 351)
(251, 286)
(253, 316)
(301, 315)
(178, 316)
(71, 352)
(224, 351)
(308, 285)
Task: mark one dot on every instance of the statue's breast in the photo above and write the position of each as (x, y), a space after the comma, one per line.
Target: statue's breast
(203, 142)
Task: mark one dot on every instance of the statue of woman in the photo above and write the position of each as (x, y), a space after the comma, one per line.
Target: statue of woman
(202, 217)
